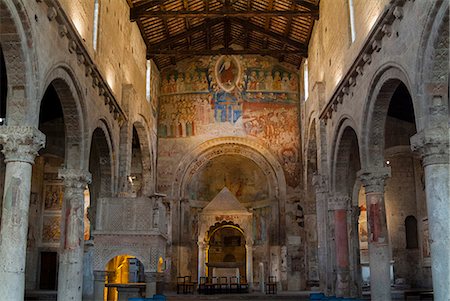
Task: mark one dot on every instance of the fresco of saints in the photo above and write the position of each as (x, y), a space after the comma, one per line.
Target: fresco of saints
(227, 71)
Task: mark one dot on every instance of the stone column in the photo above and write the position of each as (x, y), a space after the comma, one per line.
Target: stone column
(321, 186)
(340, 205)
(99, 285)
(70, 276)
(201, 259)
(20, 147)
(249, 264)
(150, 284)
(379, 250)
(433, 145)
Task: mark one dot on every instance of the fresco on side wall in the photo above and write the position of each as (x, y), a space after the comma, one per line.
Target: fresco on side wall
(230, 95)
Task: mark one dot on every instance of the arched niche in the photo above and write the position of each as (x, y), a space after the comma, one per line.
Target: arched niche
(241, 175)
(141, 162)
(384, 85)
(101, 169)
(226, 249)
(202, 154)
(346, 159)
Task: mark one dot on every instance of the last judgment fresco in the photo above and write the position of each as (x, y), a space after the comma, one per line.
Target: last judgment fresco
(234, 96)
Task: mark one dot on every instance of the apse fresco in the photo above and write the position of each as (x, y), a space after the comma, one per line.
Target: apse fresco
(234, 96)
(239, 174)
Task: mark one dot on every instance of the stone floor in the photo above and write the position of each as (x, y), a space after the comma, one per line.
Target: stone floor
(172, 296)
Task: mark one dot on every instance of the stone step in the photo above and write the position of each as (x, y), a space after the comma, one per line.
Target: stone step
(40, 295)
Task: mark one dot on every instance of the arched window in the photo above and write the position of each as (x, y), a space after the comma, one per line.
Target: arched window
(147, 80)
(411, 232)
(305, 79)
(352, 20)
(96, 24)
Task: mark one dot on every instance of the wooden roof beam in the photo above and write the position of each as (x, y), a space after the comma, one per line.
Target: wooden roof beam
(274, 35)
(223, 51)
(227, 33)
(220, 13)
(142, 7)
(183, 35)
(308, 5)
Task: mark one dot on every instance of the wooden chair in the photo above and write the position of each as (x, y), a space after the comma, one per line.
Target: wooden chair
(271, 285)
(243, 285)
(202, 285)
(234, 284)
(188, 285)
(180, 284)
(211, 285)
(223, 285)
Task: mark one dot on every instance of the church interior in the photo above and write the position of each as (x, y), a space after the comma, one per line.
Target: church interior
(219, 146)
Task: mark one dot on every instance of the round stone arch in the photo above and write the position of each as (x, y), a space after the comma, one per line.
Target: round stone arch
(433, 57)
(340, 149)
(69, 92)
(19, 53)
(195, 160)
(109, 253)
(148, 169)
(102, 139)
(382, 88)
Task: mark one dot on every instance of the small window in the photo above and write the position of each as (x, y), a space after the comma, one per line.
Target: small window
(411, 232)
(305, 80)
(352, 20)
(147, 80)
(96, 23)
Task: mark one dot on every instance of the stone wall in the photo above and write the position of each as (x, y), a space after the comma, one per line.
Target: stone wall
(349, 88)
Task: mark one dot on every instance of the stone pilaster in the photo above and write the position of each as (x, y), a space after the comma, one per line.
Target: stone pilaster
(70, 276)
(320, 184)
(202, 249)
(20, 147)
(340, 205)
(150, 284)
(433, 146)
(379, 250)
(99, 284)
(249, 264)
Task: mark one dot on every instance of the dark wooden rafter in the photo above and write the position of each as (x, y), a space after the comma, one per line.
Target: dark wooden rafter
(186, 21)
(274, 35)
(308, 5)
(253, 26)
(185, 34)
(287, 31)
(167, 33)
(247, 31)
(222, 51)
(144, 5)
(134, 15)
(227, 32)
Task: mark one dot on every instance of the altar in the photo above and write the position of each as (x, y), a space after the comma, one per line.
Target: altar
(225, 269)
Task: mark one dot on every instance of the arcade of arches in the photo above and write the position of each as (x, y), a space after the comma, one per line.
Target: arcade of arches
(318, 154)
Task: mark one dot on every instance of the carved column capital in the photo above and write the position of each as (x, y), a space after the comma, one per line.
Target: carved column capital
(339, 202)
(374, 179)
(433, 145)
(75, 178)
(21, 143)
(320, 183)
(202, 245)
(100, 275)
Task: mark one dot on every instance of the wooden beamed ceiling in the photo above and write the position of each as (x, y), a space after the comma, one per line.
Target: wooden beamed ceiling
(176, 29)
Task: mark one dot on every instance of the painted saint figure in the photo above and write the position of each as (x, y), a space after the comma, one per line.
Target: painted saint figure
(227, 71)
